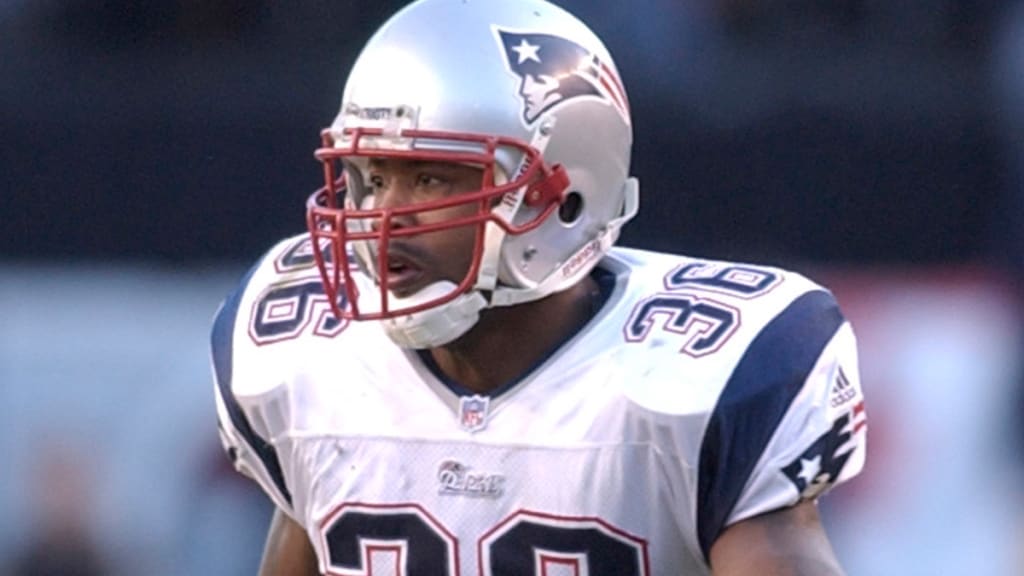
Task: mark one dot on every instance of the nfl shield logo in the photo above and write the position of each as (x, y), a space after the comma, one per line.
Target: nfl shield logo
(473, 412)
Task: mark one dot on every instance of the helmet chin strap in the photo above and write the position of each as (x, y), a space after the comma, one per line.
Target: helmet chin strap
(435, 326)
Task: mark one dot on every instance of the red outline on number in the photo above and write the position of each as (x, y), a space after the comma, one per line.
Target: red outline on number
(553, 519)
(545, 560)
(780, 277)
(368, 552)
(314, 302)
(694, 300)
(338, 510)
(290, 252)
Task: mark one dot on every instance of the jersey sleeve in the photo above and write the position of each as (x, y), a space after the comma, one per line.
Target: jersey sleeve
(789, 424)
(244, 425)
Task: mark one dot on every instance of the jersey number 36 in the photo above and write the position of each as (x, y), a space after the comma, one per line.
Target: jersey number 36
(695, 305)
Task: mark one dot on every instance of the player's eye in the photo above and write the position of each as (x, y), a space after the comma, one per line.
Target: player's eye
(429, 180)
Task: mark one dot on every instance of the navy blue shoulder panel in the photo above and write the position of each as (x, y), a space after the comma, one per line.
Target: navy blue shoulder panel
(766, 380)
(221, 343)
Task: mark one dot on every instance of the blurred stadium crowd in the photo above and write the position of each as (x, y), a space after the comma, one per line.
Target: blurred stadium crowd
(151, 150)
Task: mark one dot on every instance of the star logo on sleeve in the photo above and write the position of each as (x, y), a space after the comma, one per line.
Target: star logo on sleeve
(809, 469)
(814, 481)
(820, 465)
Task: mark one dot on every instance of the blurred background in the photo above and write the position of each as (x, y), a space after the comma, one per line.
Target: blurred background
(151, 151)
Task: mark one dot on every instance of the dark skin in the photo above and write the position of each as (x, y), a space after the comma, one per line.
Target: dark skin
(480, 359)
(786, 542)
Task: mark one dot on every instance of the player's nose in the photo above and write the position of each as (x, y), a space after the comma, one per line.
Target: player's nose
(391, 200)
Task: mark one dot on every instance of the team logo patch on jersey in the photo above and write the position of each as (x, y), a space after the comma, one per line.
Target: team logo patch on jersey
(553, 70)
(458, 479)
(821, 464)
(473, 412)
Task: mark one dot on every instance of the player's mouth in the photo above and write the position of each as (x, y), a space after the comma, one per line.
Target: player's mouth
(403, 276)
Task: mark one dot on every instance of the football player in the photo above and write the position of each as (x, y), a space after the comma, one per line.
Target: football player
(456, 371)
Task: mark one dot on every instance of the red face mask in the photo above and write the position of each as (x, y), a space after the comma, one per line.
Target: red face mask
(346, 237)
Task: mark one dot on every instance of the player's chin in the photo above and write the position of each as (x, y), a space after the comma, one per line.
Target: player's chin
(425, 288)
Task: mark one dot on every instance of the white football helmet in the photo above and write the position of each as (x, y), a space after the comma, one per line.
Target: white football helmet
(520, 88)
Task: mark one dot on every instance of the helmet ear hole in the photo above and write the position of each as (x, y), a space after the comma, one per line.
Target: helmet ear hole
(571, 207)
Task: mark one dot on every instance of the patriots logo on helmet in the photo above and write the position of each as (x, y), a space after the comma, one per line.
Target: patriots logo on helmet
(554, 70)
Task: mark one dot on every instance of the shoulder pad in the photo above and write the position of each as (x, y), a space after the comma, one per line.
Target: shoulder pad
(761, 361)
(276, 317)
(692, 322)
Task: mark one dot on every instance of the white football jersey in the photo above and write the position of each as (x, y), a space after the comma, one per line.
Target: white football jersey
(702, 393)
